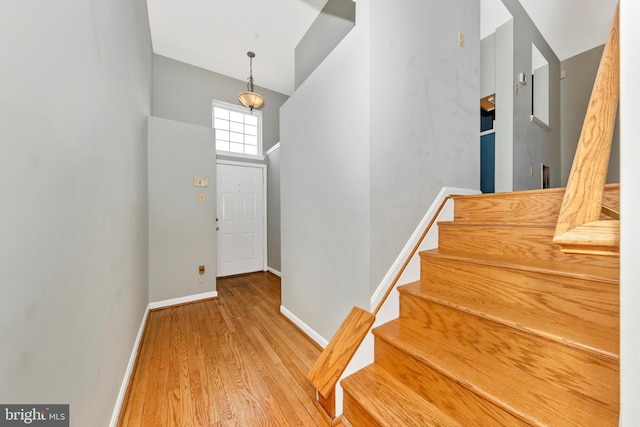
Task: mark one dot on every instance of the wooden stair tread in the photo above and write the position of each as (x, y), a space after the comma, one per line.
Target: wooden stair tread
(533, 399)
(390, 403)
(594, 338)
(583, 271)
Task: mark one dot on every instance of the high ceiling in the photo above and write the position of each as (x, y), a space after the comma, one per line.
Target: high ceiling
(216, 34)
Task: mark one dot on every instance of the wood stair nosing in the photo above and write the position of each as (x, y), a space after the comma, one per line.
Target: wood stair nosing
(455, 397)
(512, 241)
(536, 401)
(372, 389)
(588, 337)
(513, 353)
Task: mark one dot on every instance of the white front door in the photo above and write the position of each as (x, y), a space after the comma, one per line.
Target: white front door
(240, 219)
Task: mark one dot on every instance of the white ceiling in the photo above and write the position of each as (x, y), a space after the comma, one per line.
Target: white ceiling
(216, 34)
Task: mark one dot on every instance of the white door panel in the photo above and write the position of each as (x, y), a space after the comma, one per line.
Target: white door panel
(240, 219)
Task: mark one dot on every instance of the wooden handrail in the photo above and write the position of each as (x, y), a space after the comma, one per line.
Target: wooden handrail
(579, 228)
(413, 252)
(327, 370)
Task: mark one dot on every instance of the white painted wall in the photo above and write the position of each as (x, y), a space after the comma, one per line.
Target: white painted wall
(75, 91)
(630, 205)
(182, 234)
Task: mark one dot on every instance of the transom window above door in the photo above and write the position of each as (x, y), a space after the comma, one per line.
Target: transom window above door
(238, 131)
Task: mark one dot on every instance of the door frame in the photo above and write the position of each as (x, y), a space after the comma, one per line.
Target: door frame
(264, 201)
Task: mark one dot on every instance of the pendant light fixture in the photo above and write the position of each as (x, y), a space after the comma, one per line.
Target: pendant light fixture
(250, 98)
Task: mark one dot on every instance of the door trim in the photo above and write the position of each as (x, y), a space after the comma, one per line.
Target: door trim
(264, 200)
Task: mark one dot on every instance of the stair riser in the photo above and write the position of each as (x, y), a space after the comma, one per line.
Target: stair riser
(511, 242)
(457, 400)
(510, 207)
(540, 360)
(540, 207)
(587, 310)
(355, 414)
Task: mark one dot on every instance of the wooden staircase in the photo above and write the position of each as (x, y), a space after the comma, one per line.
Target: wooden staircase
(503, 328)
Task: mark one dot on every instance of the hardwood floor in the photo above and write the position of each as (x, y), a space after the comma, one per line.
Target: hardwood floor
(229, 361)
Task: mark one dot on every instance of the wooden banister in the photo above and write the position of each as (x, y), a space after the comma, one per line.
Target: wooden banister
(327, 370)
(579, 228)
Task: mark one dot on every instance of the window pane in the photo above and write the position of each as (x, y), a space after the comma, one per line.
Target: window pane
(250, 130)
(236, 130)
(236, 148)
(236, 127)
(251, 149)
(221, 113)
(221, 124)
(251, 120)
(236, 137)
(236, 117)
(222, 145)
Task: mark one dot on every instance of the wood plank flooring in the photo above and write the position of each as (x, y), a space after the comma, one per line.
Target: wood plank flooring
(229, 361)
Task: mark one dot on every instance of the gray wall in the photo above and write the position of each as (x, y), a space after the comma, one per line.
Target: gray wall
(504, 107)
(575, 90)
(273, 210)
(76, 90)
(363, 162)
(335, 20)
(182, 230)
(424, 126)
(184, 93)
(488, 65)
(324, 183)
(533, 145)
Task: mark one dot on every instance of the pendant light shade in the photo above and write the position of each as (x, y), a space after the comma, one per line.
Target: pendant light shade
(250, 98)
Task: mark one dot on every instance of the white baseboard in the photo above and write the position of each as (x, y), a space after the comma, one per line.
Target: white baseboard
(274, 271)
(127, 373)
(182, 300)
(134, 351)
(305, 328)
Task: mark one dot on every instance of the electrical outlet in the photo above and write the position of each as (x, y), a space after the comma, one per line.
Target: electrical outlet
(201, 270)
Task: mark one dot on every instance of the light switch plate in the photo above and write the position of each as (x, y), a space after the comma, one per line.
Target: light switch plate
(201, 181)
